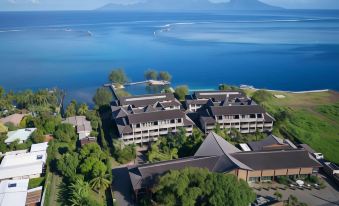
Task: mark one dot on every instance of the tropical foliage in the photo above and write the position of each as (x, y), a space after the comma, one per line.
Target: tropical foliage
(193, 186)
(181, 92)
(118, 76)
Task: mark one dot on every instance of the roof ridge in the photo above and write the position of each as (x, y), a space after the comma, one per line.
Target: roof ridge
(171, 161)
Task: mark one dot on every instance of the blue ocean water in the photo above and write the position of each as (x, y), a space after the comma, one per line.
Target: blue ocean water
(287, 50)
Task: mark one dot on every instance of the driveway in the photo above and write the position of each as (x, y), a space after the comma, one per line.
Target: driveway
(324, 197)
(122, 187)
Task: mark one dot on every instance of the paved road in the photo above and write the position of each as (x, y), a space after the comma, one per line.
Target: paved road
(122, 187)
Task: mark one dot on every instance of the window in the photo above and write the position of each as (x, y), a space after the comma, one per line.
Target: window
(11, 185)
(236, 117)
(179, 120)
(243, 116)
(253, 179)
(155, 123)
(252, 116)
(220, 117)
(266, 178)
(172, 121)
(259, 115)
(39, 157)
(138, 125)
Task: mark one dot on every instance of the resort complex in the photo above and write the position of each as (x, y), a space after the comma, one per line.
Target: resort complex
(142, 119)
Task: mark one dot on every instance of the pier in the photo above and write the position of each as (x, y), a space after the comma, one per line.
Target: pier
(150, 82)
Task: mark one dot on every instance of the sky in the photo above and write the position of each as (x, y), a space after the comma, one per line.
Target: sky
(8, 5)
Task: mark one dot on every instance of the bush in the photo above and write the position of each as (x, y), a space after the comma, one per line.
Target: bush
(283, 180)
(261, 96)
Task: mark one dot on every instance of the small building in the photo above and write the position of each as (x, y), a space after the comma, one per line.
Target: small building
(87, 140)
(271, 143)
(82, 125)
(20, 135)
(14, 119)
(13, 192)
(16, 193)
(23, 164)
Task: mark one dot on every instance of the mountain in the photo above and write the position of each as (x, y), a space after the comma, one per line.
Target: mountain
(191, 5)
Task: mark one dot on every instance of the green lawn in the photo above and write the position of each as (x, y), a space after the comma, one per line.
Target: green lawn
(36, 182)
(314, 120)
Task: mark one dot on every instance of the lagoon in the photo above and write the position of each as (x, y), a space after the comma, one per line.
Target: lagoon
(284, 50)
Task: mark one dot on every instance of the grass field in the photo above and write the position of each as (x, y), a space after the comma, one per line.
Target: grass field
(313, 119)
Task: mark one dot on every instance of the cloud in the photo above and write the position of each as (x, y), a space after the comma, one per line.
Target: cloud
(35, 1)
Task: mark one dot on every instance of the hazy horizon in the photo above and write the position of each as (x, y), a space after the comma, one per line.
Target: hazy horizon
(40, 5)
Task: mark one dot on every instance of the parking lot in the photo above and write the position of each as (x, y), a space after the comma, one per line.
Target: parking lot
(323, 197)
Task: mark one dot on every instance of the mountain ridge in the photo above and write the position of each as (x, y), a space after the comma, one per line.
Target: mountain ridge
(194, 5)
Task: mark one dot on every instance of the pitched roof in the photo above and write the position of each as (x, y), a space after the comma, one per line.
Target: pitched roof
(144, 100)
(144, 175)
(20, 134)
(266, 160)
(215, 145)
(14, 118)
(234, 110)
(271, 142)
(155, 116)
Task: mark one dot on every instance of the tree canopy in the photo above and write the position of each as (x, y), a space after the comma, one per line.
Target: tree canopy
(194, 186)
(181, 92)
(102, 97)
(151, 74)
(118, 76)
(164, 76)
(65, 133)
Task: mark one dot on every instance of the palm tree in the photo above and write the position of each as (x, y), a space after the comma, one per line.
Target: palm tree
(79, 192)
(83, 109)
(100, 182)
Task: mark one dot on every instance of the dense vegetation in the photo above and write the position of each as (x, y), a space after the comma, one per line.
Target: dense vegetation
(102, 97)
(118, 76)
(41, 101)
(193, 186)
(155, 75)
(174, 146)
(235, 137)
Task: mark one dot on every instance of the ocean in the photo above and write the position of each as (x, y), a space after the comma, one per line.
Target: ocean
(75, 50)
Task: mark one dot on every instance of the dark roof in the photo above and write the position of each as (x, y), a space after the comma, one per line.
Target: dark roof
(268, 118)
(145, 175)
(218, 96)
(234, 110)
(269, 143)
(276, 159)
(214, 145)
(144, 100)
(155, 116)
(217, 155)
(308, 148)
